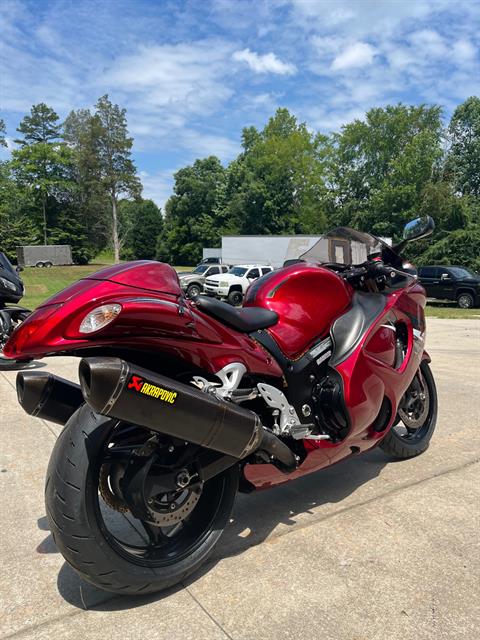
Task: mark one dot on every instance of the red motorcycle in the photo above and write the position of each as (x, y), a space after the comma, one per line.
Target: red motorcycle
(183, 402)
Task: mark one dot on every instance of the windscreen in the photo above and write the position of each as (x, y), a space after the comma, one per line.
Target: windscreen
(5, 263)
(344, 246)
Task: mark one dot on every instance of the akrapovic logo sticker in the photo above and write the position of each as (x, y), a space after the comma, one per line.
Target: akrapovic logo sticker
(140, 386)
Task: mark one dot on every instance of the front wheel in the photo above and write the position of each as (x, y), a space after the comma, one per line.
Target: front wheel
(235, 298)
(416, 418)
(465, 301)
(193, 291)
(93, 526)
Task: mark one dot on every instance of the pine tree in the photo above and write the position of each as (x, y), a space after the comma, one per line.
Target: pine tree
(118, 172)
(42, 162)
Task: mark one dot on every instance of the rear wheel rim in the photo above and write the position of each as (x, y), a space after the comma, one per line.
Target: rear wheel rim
(162, 545)
(464, 301)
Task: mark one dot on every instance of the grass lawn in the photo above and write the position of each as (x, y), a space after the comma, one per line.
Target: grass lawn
(446, 310)
(40, 284)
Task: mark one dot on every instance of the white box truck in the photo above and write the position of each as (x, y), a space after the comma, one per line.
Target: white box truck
(272, 250)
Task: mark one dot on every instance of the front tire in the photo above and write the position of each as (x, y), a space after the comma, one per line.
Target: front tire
(407, 438)
(235, 298)
(80, 530)
(193, 291)
(465, 301)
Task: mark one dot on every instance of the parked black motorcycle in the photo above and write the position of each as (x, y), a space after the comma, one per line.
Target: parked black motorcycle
(11, 291)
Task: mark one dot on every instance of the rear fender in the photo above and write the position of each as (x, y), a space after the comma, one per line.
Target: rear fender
(426, 357)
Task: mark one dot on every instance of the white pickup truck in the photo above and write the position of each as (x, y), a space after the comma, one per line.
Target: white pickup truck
(233, 285)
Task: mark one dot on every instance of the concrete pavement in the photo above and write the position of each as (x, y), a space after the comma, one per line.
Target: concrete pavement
(368, 549)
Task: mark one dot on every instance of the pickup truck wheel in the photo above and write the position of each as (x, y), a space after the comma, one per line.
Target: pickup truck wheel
(465, 301)
(193, 291)
(235, 298)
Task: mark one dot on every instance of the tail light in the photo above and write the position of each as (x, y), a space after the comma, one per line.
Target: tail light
(15, 346)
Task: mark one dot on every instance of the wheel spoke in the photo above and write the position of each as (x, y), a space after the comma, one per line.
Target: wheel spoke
(155, 535)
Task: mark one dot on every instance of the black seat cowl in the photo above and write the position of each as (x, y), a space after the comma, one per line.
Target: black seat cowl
(244, 319)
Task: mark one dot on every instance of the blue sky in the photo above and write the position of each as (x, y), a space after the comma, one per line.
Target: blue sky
(192, 73)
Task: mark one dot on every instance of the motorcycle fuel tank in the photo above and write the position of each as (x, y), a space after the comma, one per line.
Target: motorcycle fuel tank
(307, 299)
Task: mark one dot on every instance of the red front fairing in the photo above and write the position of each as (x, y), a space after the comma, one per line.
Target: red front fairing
(155, 319)
(368, 377)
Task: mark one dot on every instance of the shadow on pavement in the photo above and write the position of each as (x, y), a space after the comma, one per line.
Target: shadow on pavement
(254, 518)
(13, 365)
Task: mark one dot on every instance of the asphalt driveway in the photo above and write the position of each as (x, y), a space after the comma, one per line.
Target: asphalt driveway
(368, 549)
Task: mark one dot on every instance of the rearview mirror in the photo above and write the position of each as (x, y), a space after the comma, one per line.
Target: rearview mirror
(418, 228)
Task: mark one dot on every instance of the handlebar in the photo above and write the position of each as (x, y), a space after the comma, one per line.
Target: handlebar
(375, 269)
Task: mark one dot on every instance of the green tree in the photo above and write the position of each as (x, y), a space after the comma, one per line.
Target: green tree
(81, 132)
(457, 247)
(43, 161)
(191, 220)
(16, 207)
(117, 169)
(143, 222)
(276, 185)
(463, 162)
(380, 166)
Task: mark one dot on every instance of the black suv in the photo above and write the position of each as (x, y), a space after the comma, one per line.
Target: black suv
(451, 283)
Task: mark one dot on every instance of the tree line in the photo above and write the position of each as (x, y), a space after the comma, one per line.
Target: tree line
(76, 183)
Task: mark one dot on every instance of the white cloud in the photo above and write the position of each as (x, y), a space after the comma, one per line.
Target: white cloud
(463, 51)
(429, 43)
(362, 19)
(201, 143)
(186, 77)
(359, 54)
(158, 186)
(267, 63)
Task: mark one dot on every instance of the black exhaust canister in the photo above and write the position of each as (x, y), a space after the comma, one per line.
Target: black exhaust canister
(46, 396)
(115, 388)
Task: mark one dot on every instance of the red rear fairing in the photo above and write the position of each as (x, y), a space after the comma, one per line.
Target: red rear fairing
(155, 319)
(142, 274)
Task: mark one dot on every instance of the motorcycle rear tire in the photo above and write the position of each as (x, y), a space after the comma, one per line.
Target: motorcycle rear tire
(70, 493)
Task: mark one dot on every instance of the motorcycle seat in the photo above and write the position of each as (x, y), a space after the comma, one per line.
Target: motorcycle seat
(244, 319)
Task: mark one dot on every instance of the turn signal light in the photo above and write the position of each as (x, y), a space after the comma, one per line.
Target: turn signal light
(99, 317)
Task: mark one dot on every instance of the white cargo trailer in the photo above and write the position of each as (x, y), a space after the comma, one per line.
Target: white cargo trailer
(44, 255)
